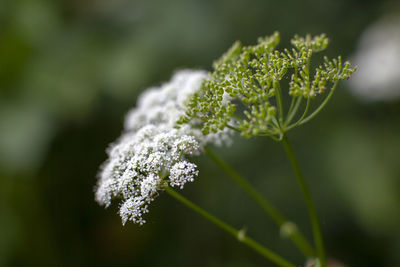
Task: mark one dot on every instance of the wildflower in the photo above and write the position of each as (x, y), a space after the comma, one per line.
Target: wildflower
(164, 104)
(182, 172)
(140, 164)
(251, 77)
(152, 152)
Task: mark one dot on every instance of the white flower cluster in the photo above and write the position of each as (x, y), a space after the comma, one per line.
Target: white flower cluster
(151, 152)
(378, 57)
(166, 104)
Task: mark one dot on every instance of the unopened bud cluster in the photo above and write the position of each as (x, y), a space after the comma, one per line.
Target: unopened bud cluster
(245, 90)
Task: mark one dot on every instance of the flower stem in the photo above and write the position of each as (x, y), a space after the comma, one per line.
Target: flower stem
(295, 235)
(241, 237)
(309, 203)
(323, 104)
(293, 110)
(279, 101)
(302, 116)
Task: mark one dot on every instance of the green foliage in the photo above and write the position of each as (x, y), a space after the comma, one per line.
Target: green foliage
(244, 90)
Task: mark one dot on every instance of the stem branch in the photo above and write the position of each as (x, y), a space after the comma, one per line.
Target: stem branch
(295, 235)
(309, 203)
(323, 104)
(278, 97)
(239, 235)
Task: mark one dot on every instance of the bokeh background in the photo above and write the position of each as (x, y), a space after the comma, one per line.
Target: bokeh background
(70, 70)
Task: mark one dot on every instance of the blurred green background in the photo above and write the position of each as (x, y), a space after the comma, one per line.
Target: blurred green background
(70, 70)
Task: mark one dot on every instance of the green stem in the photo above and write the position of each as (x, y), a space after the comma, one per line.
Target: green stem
(295, 235)
(233, 128)
(291, 105)
(239, 235)
(270, 136)
(278, 97)
(312, 115)
(309, 203)
(298, 122)
(293, 110)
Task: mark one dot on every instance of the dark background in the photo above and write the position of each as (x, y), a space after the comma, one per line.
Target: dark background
(70, 70)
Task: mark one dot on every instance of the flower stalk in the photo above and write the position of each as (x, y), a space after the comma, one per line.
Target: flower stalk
(308, 200)
(294, 234)
(239, 235)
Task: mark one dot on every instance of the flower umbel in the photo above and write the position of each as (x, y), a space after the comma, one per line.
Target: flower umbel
(253, 78)
(140, 164)
(152, 153)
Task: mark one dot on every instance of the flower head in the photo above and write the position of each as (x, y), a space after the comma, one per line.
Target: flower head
(252, 77)
(141, 163)
(164, 104)
(152, 152)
